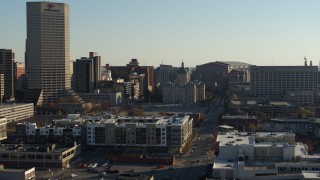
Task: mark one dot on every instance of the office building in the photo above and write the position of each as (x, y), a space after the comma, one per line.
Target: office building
(86, 73)
(261, 155)
(96, 68)
(276, 81)
(48, 51)
(7, 68)
(83, 75)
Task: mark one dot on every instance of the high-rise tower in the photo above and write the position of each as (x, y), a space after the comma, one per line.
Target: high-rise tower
(48, 50)
(7, 68)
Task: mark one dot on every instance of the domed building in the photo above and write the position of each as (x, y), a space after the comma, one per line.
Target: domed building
(183, 76)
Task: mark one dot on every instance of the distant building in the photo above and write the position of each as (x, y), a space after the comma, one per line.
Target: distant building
(123, 72)
(114, 98)
(217, 75)
(8, 69)
(240, 122)
(301, 126)
(273, 109)
(96, 68)
(276, 81)
(83, 75)
(16, 112)
(116, 85)
(167, 73)
(189, 93)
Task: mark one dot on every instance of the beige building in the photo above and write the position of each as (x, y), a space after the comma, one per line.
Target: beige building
(16, 112)
(139, 134)
(3, 128)
(1, 87)
(48, 50)
(189, 93)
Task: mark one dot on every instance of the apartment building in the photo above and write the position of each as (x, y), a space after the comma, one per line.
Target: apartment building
(262, 155)
(140, 134)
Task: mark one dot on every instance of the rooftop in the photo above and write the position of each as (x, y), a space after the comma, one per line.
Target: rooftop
(311, 174)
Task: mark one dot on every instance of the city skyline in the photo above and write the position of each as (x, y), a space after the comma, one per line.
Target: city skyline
(261, 33)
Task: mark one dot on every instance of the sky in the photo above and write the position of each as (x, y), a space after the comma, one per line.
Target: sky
(269, 32)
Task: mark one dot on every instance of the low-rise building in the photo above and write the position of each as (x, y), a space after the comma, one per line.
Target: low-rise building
(3, 128)
(43, 156)
(263, 155)
(17, 112)
(240, 122)
(301, 126)
(21, 174)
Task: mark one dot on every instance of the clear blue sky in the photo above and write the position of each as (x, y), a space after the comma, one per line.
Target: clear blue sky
(269, 32)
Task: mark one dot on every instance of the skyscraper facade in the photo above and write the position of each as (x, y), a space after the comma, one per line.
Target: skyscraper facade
(7, 68)
(48, 50)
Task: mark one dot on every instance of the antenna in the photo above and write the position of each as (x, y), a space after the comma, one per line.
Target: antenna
(305, 61)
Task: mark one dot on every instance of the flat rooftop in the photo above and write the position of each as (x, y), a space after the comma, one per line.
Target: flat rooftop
(31, 148)
(311, 174)
(242, 138)
(143, 120)
(225, 163)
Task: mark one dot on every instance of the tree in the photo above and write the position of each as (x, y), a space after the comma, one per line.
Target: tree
(74, 100)
(87, 107)
(162, 113)
(61, 100)
(136, 112)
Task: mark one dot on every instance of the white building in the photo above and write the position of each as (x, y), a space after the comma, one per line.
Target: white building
(262, 155)
(16, 112)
